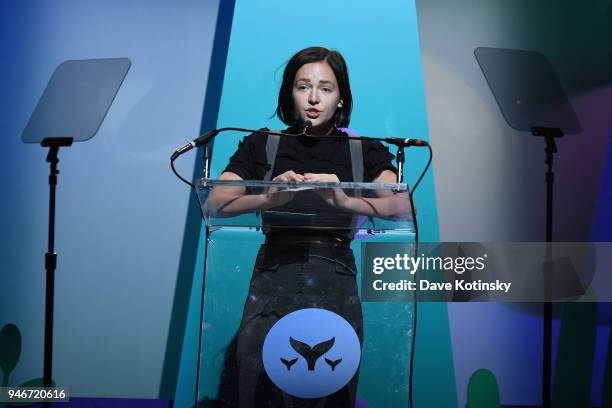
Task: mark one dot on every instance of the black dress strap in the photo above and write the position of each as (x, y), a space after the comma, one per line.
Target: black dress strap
(356, 160)
(271, 149)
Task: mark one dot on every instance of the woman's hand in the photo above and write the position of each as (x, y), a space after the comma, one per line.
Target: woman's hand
(289, 176)
(274, 198)
(226, 201)
(332, 196)
(386, 205)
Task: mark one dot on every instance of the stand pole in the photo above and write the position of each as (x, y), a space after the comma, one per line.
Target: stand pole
(206, 162)
(51, 257)
(549, 135)
(400, 158)
(201, 318)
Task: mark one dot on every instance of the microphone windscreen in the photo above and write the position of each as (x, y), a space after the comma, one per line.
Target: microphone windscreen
(305, 126)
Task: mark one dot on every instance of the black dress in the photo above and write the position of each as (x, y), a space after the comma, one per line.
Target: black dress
(308, 155)
(290, 273)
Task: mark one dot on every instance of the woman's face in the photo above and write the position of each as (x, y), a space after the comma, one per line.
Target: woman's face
(315, 93)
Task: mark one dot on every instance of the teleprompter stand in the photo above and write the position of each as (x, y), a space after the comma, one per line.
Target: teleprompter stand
(74, 102)
(531, 98)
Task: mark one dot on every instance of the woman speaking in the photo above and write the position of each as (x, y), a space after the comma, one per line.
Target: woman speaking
(302, 268)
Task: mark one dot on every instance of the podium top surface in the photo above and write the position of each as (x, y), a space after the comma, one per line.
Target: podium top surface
(306, 208)
(203, 183)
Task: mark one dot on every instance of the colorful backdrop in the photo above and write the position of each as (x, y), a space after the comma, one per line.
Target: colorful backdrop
(129, 233)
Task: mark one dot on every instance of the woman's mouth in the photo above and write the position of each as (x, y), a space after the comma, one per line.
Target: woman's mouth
(313, 113)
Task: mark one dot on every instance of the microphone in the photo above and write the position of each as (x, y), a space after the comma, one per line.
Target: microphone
(306, 127)
(400, 142)
(416, 142)
(202, 140)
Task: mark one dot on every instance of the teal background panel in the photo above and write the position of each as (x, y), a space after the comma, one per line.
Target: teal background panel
(386, 80)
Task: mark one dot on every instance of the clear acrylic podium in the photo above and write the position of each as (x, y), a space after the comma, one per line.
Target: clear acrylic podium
(232, 244)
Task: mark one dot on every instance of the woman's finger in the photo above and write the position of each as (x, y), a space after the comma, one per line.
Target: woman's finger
(294, 176)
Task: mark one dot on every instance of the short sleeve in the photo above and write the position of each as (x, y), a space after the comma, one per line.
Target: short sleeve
(376, 159)
(249, 161)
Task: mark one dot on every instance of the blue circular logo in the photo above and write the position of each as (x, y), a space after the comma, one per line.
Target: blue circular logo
(311, 353)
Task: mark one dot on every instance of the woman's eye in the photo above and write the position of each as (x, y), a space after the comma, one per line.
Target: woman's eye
(302, 87)
(327, 89)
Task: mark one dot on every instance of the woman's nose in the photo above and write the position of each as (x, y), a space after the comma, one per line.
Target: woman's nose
(313, 97)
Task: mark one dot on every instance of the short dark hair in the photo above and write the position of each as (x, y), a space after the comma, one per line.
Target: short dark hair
(285, 109)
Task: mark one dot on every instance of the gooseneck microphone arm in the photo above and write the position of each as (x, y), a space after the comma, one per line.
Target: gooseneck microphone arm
(208, 136)
(204, 139)
(306, 126)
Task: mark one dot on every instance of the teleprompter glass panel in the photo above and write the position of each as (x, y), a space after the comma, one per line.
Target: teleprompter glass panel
(76, 99)
(526, 89)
